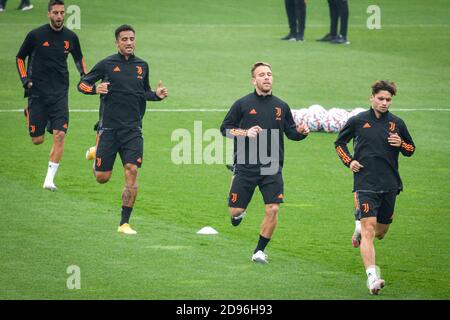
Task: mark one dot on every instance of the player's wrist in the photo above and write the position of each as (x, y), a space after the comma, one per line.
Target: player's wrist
(350, 163)
(95, 89)
(27, 84)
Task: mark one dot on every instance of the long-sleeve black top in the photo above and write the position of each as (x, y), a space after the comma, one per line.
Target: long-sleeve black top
(46, 68)
(274, 116)
(372, 150)
(129, 89)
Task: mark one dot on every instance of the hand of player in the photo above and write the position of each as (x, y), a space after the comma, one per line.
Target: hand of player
(394, 140)
(253, 131)
(102, 88)
(355, 166)
(302, 129)
(29, 84)
(161, 91)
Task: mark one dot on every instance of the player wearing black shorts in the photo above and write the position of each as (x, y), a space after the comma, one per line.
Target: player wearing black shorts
(124, 90)
(257, 123)
(378, 137)
(45, 79)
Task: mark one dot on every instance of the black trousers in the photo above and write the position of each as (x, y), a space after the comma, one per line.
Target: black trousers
(296, 13)
(23, 3)
(338, 10)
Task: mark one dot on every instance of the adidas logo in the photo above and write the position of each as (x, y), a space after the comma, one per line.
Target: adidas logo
(46, 44)
(367, 125)
(253, 111)
(116, 69)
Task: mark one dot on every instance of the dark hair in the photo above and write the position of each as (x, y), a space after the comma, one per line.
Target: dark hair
(384, 85)
(51, 3)
(124, 27)
(258, 64)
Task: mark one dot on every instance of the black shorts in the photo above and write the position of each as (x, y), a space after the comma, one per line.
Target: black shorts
(129, 143)
(50, 112)
(242, 188)
(371, 204)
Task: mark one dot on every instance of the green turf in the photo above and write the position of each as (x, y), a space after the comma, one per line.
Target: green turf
(203, 50)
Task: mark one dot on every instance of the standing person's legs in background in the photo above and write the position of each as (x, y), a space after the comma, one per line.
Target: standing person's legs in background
(343, 16)
(3, 5)
(334, 18)
(292, 20)
(300, 13)
(25, 5)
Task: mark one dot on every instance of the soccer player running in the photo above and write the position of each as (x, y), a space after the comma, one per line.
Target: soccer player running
(45, 79)
(124, 90)
(257, 122)
(378, 137)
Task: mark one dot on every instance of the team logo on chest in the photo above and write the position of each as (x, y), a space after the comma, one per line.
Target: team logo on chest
(277, 113)
(66, 46)
(391, 126)
(139, 72)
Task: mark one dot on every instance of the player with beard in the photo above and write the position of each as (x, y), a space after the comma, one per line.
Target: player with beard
(124, 89)
(45, 78)
(257, 123)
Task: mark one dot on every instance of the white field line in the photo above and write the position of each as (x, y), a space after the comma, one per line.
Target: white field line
(228, 25)
(225, 110)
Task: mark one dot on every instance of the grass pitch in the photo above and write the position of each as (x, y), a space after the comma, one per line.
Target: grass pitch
(203, 51)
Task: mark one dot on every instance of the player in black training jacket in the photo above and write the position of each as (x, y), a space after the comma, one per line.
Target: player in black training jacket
(45, 78)
(257, 123)
(124, 90)
(378, 137)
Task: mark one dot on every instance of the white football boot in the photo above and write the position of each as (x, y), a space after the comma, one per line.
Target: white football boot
(260, 257)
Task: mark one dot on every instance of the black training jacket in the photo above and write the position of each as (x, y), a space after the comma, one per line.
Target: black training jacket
(372, 150)
(47, 52)
(128, 90)
(268, 112)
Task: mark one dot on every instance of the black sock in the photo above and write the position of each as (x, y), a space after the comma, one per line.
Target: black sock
(262, 243)
(126, 213)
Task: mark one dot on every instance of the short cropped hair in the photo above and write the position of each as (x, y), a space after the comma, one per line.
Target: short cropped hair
(258, 64)
(384, 85)
(124, 27)
(52, 3)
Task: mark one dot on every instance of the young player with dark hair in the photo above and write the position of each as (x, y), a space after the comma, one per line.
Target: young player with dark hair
(378, 137)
